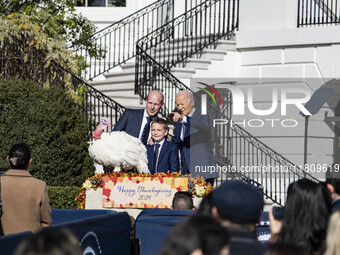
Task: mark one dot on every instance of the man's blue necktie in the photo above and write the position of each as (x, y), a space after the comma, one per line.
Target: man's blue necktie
(155, 156)
(184, 129)
(146, 130)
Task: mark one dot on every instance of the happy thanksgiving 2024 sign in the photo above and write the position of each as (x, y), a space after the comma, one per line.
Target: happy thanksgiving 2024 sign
(141, 192)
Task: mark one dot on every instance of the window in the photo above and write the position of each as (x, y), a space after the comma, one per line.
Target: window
(101, 3)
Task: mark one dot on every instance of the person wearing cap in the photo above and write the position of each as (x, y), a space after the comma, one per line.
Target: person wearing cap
(25, 202)
(238, 206)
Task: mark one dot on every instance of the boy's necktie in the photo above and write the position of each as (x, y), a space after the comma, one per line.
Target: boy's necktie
(155, 156)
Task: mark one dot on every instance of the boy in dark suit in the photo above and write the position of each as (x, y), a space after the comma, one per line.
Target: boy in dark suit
(162, 155)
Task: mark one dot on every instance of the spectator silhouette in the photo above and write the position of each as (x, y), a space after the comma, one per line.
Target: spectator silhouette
(197, 235)
(285, 249)
(50, 241)
(238, 206)
(306, 216)
(25, 200)
(206, 205)
(333, 234)
(183, 201)
(333, 185)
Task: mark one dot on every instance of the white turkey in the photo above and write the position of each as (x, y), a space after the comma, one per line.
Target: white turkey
(117, 149)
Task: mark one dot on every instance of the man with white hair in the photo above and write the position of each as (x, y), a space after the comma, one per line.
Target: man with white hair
(192, 135)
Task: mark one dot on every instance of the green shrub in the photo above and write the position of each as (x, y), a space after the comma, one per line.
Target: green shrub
(50, 123)
(62, 197)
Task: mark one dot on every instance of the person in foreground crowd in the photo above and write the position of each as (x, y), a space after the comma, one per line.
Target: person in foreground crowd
(333, 185)
(285, 249)
(162, 154)
(206, 205)
(24, 198)
(306, 217)
(238, 206)
(333, 235)
(137, 122)
(192, 135)
(183, 201)
(197, 235)
(50, 241)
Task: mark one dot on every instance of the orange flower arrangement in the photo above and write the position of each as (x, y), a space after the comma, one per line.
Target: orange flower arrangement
(197, 186)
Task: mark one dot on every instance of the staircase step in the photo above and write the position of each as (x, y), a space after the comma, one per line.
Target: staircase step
(128, 67)
(226, 45)
(184, 45)
(108, 86)
(131, 104)
(182, 72)
(206, 54)
(197, 38)
(214, 54)
(123, 93)
(117, 79)
(195, 63)
(120, 74)
(127, 100)
(175, 49)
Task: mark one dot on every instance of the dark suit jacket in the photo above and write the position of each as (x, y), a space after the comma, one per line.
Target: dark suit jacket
(244, 242)
(336, 205)
(130, 122)
(168, 159)
(196, 152)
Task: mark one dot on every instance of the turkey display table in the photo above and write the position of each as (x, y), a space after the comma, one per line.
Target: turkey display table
(130, 187)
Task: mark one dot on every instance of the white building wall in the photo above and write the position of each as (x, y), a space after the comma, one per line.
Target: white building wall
(273, 52)
(267, 14)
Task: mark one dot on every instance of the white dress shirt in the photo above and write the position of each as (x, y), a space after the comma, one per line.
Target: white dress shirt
(185, 120)
(145, 115)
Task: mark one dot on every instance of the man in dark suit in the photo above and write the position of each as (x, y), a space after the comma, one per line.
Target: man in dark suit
(192, 135)
(162, 155)
(137, 122)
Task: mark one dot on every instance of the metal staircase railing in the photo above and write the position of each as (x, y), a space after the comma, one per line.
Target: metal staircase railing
(92, 103)
(116, 43)
(318, 12)
(242, 155)
(181, 38)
